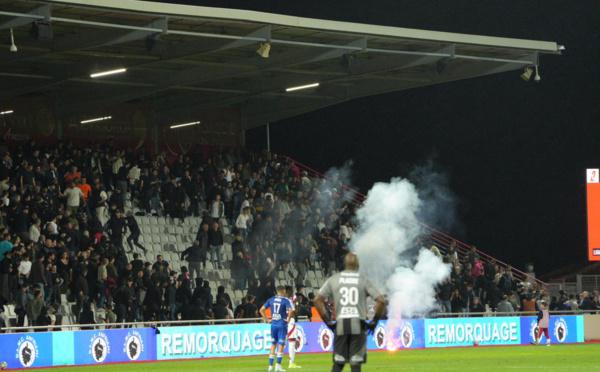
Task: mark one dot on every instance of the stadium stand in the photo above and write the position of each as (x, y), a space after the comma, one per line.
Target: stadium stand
(189, 237)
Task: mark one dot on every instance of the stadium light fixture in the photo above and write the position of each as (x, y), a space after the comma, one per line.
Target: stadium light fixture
(526, 75)
(531, 71)
(13, 47)
(175, 126)
(6, 112)
(87, 121)
(264, 49)
(109, 72)
(537, 76)
(300, 87)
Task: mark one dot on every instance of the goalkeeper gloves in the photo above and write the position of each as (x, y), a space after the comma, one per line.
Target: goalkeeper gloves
(331, 324)
(370, 325)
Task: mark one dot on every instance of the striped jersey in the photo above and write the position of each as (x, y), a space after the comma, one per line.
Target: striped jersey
(349, 291)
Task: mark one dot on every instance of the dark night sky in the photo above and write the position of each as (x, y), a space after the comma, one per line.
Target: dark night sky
(515, 153)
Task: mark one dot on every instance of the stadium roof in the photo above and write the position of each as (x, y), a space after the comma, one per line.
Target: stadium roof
(181, 57)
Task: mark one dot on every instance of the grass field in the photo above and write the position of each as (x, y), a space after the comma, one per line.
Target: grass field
(484, 359)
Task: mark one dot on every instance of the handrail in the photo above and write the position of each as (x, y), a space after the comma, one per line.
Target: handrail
(512, 313)
(152, 324)
(159, 324)
(462, 247)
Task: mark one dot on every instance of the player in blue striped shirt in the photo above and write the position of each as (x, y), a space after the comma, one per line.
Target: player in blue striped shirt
(282, 310)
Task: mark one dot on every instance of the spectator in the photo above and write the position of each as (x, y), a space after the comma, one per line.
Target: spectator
(203, 242)
(196, 258)
(217, 209)
(222, 295)
(34, 307)
(123, 299)
(35, 231)
(116, 229)
(476, 306)
(220, 310)
(239, 271)
(134, 233)
(243, 222)
(445, 296)
(504, 306)
(250, 308)
(85, 188)
(586, 302)
(6, 245)
(74, 197)
(24, 267)
(215, 241)
(529, 304)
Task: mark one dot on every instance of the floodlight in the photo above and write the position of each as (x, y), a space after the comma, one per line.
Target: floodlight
(537, 76)
(87, 121)
(109, 72)
(300, 87)
(13, 46)
(526, 75)
(264, 49)
(174, 126)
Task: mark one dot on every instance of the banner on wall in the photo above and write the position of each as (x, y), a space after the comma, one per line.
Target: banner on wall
(93, 347)
(446, 332)
(562, 329)
(114, 345)
(235, 340)
(26, 350)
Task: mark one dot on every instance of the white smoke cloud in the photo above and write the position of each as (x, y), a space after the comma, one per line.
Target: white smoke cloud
(332, 190)
(386, 246)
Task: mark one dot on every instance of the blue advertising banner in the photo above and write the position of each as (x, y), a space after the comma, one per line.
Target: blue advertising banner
(25, 350)
(212, 341)
(445, 332)
(114, 345)
(562, 329)
(393, 335)
(235, 340)
(45, 349)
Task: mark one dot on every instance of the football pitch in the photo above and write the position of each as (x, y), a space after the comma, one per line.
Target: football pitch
(514, 358)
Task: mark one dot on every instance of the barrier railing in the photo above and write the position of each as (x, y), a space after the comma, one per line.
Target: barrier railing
(513, 313)
(151, 324)
(441, 239)
(588, 282)
(211, 322)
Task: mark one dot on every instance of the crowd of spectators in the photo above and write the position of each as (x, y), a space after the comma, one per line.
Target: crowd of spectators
(478, 286)
(66, 211)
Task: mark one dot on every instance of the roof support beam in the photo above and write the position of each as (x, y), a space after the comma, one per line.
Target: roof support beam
(237, 37)
(280, 109)
(39, 13)
(255, 65)
(79, 42)
(385, 64)
(160, 23)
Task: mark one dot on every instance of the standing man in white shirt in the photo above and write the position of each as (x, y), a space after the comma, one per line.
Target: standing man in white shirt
(74, 196)
(217, 209)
